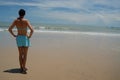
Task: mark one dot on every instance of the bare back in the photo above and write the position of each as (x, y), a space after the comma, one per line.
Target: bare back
(21, 26)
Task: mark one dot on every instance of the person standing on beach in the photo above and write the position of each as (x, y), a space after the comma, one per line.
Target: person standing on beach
(22, 38)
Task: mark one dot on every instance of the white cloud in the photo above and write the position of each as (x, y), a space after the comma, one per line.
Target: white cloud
(19, 3)
(105, 15)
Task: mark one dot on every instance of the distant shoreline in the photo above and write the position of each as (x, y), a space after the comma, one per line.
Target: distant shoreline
(71, 29)
(75, 32)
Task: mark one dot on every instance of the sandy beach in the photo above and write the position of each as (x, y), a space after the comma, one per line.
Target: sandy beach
(62, 56)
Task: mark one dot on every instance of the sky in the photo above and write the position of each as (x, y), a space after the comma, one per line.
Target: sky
(82, 12)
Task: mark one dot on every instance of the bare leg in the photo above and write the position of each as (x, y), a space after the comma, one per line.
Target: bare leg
(20, 57)
(25, 49)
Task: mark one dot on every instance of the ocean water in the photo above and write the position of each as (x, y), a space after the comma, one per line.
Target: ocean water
(71, 29)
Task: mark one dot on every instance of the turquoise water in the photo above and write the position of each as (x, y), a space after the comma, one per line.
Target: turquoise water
(69, 28)
(78, 28)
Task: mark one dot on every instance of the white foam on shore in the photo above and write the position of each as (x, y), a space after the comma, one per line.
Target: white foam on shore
(74, 32)
(101, 34)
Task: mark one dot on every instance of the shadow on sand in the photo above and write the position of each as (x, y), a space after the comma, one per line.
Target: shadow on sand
(14, 70)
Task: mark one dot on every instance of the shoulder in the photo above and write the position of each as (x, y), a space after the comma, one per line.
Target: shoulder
(26, 20)
(14, 21)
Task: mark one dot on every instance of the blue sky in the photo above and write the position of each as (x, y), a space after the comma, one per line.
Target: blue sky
(83, 12)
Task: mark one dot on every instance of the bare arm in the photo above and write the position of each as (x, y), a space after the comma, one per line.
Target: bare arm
(31, 29)
(11, 27)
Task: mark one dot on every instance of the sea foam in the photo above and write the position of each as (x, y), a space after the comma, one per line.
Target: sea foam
(75, 32)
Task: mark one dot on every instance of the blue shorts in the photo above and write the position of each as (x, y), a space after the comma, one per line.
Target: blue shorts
(22, 41)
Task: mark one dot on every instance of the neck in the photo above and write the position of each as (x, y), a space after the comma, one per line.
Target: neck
(20, 17)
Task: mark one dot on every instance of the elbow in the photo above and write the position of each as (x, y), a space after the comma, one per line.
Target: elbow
(9, 30)
(32, 31)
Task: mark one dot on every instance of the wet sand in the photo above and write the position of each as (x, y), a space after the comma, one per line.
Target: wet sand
(61, 56)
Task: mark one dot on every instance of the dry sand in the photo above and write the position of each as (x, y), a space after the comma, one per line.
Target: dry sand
(62, 56)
